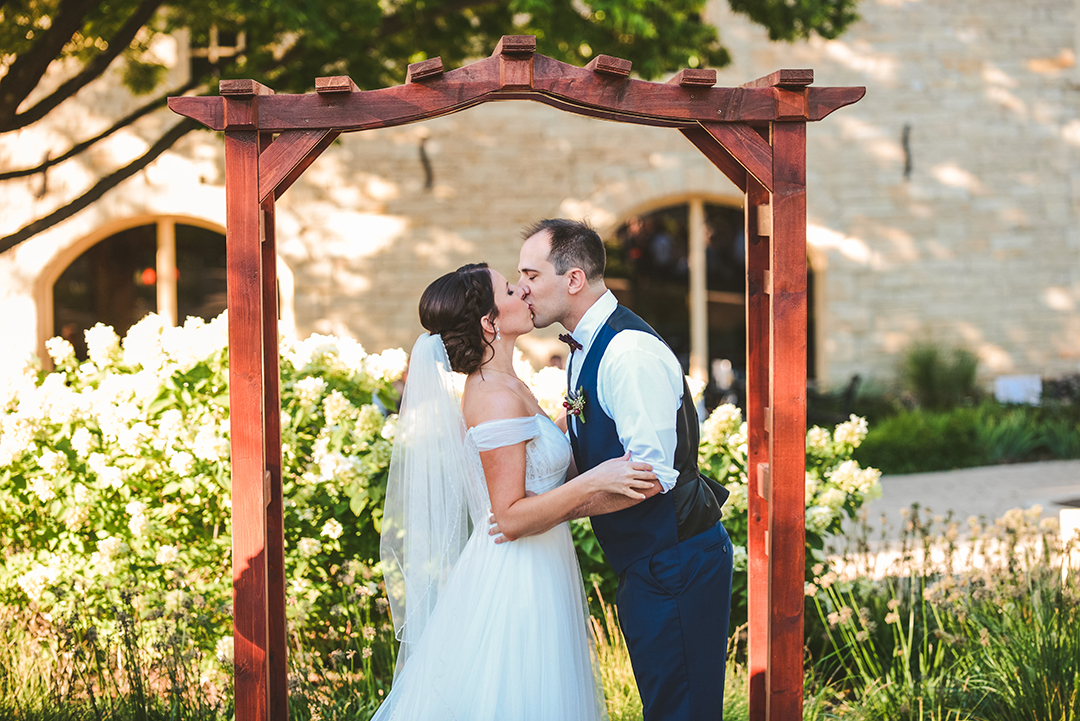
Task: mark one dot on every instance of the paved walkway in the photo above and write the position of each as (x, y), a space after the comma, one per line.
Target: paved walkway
(987, 491)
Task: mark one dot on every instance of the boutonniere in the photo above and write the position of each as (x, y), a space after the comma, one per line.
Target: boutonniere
(575, 404)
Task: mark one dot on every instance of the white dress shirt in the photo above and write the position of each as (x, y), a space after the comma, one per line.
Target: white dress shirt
(639, 385)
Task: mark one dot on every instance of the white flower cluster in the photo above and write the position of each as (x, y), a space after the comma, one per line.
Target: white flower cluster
(548, 385)
(336, 408)
(308, 547)
(224, 651)
(167, 554)
(849, 478)
(818, 440)
(211, 444)
(318, 352)
(387, 366)
(851, 432)
(102, 344)
(310, 389)
(724, 421)
(60, 350)
(138, 521)
(155, 345)
(37, 579)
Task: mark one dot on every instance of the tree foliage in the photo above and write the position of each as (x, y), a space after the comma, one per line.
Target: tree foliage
(286, 44)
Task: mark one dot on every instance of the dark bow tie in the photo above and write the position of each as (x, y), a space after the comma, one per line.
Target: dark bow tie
(569, 340)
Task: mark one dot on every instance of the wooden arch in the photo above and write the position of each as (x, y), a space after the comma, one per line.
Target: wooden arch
(755, 134)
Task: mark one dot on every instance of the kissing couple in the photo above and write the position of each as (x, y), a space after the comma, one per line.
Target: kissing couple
(484, 586)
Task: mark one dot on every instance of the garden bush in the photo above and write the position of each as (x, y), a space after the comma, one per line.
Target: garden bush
(919, 440)
(939, 379)
(115, 512)
(115, 489)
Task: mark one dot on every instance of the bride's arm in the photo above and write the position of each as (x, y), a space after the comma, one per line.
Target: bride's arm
(519, 514)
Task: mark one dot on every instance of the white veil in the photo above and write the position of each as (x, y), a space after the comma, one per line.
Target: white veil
(425, 519)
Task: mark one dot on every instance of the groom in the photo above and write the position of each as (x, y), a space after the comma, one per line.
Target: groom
(672, 553)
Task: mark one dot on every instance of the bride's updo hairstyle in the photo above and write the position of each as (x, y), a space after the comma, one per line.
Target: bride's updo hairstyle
(452, 306)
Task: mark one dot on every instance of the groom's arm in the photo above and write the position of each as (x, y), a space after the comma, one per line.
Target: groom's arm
(640, 388)
(602, 503)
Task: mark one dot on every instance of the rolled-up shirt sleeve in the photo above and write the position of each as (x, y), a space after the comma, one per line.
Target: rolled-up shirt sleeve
(640, 388)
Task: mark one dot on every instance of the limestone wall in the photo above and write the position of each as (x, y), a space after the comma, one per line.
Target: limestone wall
(977, 244)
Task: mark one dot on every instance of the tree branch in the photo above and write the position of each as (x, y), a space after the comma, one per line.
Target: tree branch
(393, 24)
(103, 186)
(26, 70)
(91, 71)
(118, 125)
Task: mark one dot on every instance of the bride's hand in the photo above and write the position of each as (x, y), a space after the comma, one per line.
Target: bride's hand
(625, 477)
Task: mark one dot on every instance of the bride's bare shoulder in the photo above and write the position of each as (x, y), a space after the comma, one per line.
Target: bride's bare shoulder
(484, 402)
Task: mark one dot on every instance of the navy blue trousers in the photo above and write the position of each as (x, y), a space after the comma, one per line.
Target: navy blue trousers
(674, 608)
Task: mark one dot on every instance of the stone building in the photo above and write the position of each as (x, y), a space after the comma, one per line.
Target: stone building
(942, 207)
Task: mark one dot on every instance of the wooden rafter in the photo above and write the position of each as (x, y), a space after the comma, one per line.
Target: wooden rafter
(754, 134)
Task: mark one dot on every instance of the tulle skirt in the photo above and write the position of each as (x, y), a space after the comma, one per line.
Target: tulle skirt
(509, 639)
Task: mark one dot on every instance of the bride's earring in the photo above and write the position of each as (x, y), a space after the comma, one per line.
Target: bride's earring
(498, 336)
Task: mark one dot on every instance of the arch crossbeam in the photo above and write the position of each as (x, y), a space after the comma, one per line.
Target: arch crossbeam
(755, 134)
(602, 89)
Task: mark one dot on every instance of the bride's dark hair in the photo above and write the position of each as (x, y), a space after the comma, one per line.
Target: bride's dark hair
(452, 306)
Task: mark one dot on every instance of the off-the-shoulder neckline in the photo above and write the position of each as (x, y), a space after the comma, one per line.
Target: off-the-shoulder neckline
(515, 418)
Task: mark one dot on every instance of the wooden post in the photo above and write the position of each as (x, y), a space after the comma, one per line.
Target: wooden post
(699, 304)
(787, 406)
(275, 520)
(247, 413)
(757, 438)
(166, 270)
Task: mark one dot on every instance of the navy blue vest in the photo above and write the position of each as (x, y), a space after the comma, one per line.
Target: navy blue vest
(660, 522)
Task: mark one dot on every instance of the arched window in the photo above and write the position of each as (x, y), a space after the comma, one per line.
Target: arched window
(166, 267)
(682, 269)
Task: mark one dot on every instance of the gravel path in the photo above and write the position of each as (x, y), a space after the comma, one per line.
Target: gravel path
(988, 491)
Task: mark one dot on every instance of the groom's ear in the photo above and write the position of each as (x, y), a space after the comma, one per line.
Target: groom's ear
(576, 281)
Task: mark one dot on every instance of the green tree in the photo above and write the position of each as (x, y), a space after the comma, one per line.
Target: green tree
(288, 43)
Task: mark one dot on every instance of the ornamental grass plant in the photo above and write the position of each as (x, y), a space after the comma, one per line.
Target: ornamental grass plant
(984, 625)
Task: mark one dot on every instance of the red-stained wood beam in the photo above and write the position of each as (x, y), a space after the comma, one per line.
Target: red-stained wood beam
(747, 147)
(335, 84)
(277, 648)
(601, 89)
(609, 65)
(430, 68)
(785, 78)
(758, 256)
(694, 78)
(787, 440)
(822, 101)
(247, 412)
(288, 157)
(717, 155)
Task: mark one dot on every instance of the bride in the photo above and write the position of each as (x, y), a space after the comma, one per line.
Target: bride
(488, 630)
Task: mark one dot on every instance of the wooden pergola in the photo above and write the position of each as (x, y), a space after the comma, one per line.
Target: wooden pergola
(755, 134)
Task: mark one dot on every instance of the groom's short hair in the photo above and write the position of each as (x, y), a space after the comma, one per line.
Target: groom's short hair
(573, 245)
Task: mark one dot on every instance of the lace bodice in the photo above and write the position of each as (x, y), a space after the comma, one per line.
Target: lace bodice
(547, 456)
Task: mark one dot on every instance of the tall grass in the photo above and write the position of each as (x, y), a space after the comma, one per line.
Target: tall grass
(984, 627)
(78, 668)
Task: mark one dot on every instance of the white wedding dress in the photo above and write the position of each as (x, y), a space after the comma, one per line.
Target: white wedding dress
(509, 637)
